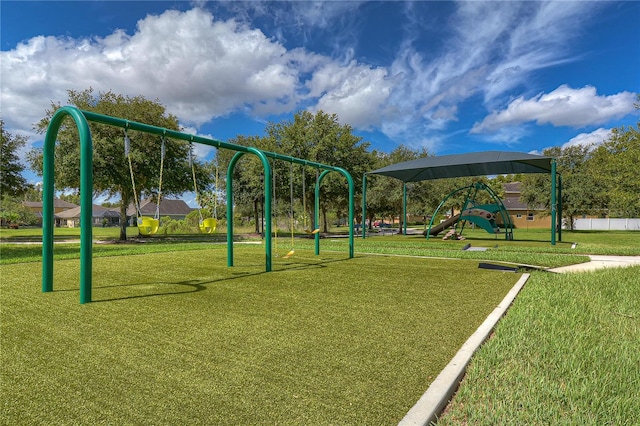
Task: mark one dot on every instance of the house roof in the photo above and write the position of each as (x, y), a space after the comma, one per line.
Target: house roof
(168, 207)
(514, 203)
(469, 164)
(511, 200)
(512, 187)
(57, 203)
(97, 211)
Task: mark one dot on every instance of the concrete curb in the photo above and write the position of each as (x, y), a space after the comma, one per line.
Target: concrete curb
(436, 398)
(599, 262)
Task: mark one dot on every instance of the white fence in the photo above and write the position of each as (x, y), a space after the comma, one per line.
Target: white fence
(607, 224)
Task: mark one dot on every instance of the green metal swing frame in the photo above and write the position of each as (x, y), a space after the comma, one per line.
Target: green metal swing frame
(82, 119)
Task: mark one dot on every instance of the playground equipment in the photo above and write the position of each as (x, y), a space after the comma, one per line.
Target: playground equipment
(482, 215)
(304, 206)
(486, 163)
(291, 218)
(82, 118)
(146, 225)
(206, 225)
(292, 222)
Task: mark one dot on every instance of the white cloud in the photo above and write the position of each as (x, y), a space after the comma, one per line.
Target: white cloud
(564, 106)
(356, 93)
(507, 135)
(594, 138)
(200, 151)
(491, 48)
(202, 68)
(198, 67)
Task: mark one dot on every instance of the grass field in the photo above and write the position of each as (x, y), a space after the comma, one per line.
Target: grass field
(176, 337)
(567, 352)
(536, 250)
(179, 338)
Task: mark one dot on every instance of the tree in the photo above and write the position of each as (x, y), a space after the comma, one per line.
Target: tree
(321, 138)
(248, 180)
(385, 194)
(111, 169)
(13, 212)
(315, 137)
(11, 180)
(614, 165)
(581, 193)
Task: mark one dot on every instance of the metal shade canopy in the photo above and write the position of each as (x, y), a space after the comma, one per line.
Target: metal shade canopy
(469, 164)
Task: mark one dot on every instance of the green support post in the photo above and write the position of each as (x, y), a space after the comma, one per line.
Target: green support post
(364, 203)
(229, 186)
(351, 209)
(553, 202)
(560, 207)
(351, 186)
(86, 200)
(404, 207)
(267, 206)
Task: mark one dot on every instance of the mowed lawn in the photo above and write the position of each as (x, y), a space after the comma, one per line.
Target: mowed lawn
(567, 352)
(180, 338)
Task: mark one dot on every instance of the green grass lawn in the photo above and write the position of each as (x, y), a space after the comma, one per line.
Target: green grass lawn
(179, 338)
(176, 337)
(567, 352)
(534, 252)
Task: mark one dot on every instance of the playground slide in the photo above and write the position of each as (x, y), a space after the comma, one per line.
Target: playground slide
(435, 230)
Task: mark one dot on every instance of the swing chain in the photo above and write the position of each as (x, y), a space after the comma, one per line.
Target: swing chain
(127, 152)
(162, 154)
(195, 183)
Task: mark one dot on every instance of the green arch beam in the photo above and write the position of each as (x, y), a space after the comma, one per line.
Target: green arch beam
(351, 207)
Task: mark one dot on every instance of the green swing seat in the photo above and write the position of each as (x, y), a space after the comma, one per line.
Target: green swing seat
(148, 225)
(208, 225)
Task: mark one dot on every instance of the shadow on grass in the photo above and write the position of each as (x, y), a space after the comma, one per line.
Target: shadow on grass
(194, 286)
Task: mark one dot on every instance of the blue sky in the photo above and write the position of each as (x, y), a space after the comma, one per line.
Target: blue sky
(453, 77)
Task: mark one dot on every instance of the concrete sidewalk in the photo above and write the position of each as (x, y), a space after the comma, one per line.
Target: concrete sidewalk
(599, 262)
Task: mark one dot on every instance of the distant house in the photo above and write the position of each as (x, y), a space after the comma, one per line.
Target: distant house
(175, 209)
(101, 216)
(522, 216)
(58, 207)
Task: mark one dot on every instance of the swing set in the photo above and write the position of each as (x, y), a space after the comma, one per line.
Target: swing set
(292, 221)
(206, 225)
(146, 225)
(150, 225)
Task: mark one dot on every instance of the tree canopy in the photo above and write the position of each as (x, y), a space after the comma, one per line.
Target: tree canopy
(316, 137)
(615, 168)
(111, 168)
(12, 182)
(599, 179)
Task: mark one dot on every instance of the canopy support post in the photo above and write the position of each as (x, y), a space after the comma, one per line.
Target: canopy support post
(560, 207)
(404, 208)
(554, 217)
(364, 204)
